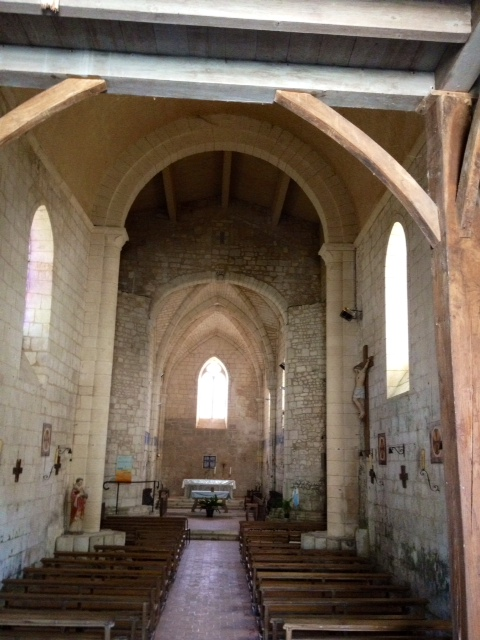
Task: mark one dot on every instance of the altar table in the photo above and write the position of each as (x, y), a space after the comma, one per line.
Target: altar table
(222, 496)
(204, 484)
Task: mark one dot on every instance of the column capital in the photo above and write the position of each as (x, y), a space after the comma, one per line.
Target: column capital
(114, 236)
(332, 251)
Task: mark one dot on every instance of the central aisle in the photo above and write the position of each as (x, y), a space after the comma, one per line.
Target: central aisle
(209, 599)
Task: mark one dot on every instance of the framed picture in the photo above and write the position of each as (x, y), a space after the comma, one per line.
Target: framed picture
(209, 462)
(382, 449)
(46, 439)
(436, 445)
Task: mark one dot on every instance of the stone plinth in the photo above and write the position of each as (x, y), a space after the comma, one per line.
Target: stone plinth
(87, 541)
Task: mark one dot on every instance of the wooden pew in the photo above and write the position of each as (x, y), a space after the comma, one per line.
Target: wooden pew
(35, 624)
(133, 616)
(356, 626)
(274, 611)
(283, 589)
(312, 577)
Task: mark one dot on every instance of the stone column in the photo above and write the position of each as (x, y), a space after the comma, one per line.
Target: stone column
(91, 424)
(343, 426)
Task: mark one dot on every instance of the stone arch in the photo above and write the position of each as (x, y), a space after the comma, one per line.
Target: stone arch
(188, 136)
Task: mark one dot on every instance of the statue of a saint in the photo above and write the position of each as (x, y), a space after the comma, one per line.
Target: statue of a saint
(358, 396)
(78, 500)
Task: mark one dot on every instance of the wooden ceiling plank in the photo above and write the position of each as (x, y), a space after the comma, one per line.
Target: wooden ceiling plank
(207, 79)
(226, 178)
(170, 193)
(460, 71)
(468, 198)
(412, 20)
(171, 41)
(44, 105)
(12, 31)
(420, 206)
(280, 195)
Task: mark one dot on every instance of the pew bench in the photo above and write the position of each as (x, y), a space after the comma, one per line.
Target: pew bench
(282, 590)
(317, 577)
(358, 626)
(43, 622)
(133, 616)
(273, 611)
(151, 589)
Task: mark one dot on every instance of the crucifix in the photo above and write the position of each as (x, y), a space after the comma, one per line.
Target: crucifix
(403, 476)
(17, 469)
(360, 392)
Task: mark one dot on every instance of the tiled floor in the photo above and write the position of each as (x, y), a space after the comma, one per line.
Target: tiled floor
(209, 599)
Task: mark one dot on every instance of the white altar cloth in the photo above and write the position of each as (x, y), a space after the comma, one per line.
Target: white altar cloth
(204, 484)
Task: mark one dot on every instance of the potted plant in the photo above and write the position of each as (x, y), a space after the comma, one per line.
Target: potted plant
(287, 507)
(209, 504)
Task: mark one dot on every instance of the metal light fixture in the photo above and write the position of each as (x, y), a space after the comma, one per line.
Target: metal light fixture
(350, 314)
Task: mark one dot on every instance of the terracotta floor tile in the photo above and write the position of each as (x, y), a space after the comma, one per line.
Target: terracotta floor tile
(209, 599)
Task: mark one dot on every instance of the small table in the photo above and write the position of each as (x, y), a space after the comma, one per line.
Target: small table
(57, 618)
(204, 484)
(222, 496)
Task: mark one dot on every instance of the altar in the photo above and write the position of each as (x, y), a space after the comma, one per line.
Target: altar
(205, 484)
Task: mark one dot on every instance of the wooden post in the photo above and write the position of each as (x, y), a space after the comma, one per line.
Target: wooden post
(456, 273)
(451, 223)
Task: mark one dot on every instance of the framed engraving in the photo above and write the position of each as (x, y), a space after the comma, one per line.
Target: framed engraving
(436, 445)
(46, 439)
(382, 449)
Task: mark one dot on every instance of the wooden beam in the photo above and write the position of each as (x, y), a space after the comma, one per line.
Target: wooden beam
(460, 71)
(387, 169)
(413, 20)
(456, 265)
(170, 193)
(44, 105)
(468, 199)
(211, 79)
(279, 199)
(226, 178)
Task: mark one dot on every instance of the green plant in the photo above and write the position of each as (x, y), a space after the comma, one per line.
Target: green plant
(287, 507)
(209, 503)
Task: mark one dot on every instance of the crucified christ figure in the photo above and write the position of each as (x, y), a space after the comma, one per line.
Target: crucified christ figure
(358, 396)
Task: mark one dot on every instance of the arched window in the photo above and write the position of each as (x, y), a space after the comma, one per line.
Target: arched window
(396, 313)
(212, 395)
(38, 296)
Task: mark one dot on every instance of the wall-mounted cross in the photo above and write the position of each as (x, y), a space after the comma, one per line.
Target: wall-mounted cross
(403, 476)
(17, 469)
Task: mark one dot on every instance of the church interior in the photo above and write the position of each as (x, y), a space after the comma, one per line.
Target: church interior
(243, 246)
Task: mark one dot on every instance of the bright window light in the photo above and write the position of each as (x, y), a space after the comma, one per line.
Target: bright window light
(396, 313)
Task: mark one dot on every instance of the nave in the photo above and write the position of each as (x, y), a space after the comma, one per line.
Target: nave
(209, 598)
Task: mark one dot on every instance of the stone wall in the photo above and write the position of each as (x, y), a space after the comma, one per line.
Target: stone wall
(407, 526)
(32, 510)
(129, 428)
(305, 465)
(209, 238)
